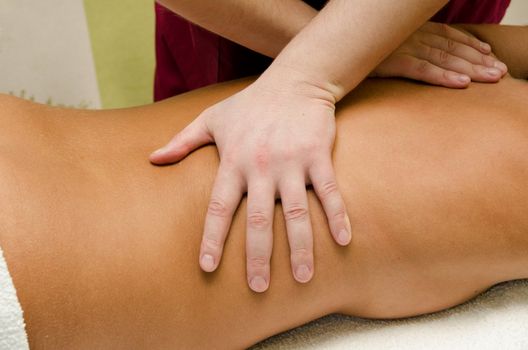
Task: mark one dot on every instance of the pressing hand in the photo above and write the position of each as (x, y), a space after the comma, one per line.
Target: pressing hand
(439, 54)
(274, 138)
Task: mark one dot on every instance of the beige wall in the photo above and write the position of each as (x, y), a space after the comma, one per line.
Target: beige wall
(517, 13)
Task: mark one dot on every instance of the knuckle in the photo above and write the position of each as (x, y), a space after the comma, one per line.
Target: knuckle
(187, 146)
(311, 146)
(229, 159)
(258, 220)
(257, 262)
(430, 53)
(327, 189)
(295, 212)
(218, 207)
(444, 29)
(446, 76)
(288, 154)
(298, 151)
(450, 45)
(422, 67)
(444, 57)
(210, 244)
(339, 214)
(301, 252)
(261, 157)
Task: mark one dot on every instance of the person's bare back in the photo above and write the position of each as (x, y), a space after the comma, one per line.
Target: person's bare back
(103, 246)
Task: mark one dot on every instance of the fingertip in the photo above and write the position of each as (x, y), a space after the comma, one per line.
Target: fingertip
(344, 237)
(165, 155)
(303, 273)
(463, 79)
(258, 284)
(156, 155)
(207, 263)
(501, 66)
(485, 48)
(457, 80)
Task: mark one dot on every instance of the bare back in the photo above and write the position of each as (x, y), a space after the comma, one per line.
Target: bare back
(103, 246)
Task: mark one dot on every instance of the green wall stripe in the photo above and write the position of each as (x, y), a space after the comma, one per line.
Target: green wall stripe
(122, 38)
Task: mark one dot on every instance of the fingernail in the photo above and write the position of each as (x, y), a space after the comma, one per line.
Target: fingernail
(158, 151)
(347, 223)
(303, 273)
(258, 284)
(500, 66)
(344, 237)
(485, 47)
(207, 263)
(463, 79)
(493, 72)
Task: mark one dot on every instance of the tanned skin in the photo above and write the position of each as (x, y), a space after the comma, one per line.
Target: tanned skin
(103, 246)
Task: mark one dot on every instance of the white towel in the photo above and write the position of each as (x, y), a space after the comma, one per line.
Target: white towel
(497, 319)
(12, 331)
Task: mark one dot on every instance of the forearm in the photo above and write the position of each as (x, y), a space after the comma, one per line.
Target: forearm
(347, 39)
(263, 26)
(509, 43)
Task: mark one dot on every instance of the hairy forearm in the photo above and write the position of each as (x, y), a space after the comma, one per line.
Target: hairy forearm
(347, 39)
(263, 26)
(509, 43)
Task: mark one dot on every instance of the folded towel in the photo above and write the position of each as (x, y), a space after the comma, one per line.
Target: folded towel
(497, 319)
(12, 332)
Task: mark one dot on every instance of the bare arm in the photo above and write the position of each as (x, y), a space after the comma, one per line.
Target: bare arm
(342, 21)
(351, 21)
(267, 27)
(509, 43)
(263, 26)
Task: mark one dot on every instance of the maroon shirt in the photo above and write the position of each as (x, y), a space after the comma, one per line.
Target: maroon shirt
(189, 57)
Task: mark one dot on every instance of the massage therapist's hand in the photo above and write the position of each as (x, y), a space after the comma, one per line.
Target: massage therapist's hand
(442, 55)
(273, 138)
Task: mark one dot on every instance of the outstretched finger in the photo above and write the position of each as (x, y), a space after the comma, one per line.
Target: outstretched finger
(417, 69)
(463, 51)
(194, 135)
(296, 214)
(259, 239)
(325, 186)
(448, 31)
(445, 60)
(225, 197)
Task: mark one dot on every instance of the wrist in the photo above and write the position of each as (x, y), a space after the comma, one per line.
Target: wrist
(286, 78)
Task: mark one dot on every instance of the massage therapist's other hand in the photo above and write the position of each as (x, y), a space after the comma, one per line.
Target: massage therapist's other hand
(442, 55)
(273, 137)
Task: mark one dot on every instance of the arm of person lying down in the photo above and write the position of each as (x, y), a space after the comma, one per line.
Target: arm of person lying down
(509, 43)
(436, 54)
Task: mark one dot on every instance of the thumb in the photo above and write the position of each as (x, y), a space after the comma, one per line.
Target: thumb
(190, 138)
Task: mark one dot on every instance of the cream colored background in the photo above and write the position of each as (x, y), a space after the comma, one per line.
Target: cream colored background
(45, 52)
(78, 53)
(517, 13)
